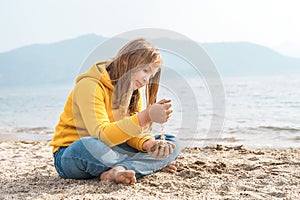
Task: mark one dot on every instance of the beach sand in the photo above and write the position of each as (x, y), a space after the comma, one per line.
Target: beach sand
(216, 172)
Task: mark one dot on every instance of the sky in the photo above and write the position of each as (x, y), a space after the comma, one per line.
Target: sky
(272, 23)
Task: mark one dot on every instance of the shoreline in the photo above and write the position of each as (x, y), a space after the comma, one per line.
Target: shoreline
(213, 172)
(185, 142)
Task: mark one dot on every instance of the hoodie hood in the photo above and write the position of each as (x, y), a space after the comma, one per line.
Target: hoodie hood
(98, 72)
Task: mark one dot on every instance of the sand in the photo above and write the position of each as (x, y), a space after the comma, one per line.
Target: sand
(216, 172)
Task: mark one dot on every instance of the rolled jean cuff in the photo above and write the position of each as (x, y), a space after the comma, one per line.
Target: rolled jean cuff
(57, 161)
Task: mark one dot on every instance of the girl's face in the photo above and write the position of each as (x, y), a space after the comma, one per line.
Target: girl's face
(141, 78)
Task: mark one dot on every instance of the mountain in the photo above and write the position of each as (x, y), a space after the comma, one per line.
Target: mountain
(46, 63)
(243, 58)
(60, 62)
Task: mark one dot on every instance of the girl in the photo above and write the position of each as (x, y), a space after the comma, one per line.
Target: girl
(103, 131)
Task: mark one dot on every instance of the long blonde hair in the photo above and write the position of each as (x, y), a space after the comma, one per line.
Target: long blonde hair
(132, 57)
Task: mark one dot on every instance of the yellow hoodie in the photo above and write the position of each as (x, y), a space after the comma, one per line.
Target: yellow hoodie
(88, 113)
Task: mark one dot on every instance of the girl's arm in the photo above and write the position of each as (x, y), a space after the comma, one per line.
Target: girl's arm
(89, 98)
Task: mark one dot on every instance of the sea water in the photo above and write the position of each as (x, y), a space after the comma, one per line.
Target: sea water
(262, 111)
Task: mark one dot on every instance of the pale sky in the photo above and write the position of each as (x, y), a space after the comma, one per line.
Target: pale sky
(273, 23)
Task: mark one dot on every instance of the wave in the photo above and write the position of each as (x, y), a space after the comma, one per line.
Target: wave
(276, 128)
(259, 129)
(227, 139)
(29, 130)
(297, 138)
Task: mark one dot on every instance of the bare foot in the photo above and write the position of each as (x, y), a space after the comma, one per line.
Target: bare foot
(120, 175)
(171, 168)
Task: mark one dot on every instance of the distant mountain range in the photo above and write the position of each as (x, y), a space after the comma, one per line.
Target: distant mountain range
(60, 62)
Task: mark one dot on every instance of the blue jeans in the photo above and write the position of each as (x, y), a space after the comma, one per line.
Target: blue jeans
(88, 157)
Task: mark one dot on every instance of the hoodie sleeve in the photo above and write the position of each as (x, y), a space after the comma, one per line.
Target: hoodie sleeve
(137, 142)
(89, 98)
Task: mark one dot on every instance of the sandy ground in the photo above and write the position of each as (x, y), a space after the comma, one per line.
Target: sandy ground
(218, 172)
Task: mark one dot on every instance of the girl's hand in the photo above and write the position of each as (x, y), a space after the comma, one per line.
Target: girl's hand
(160, 112)
(158, 148)
(164, 101)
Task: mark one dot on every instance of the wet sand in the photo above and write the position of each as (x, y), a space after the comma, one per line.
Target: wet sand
(216, 172)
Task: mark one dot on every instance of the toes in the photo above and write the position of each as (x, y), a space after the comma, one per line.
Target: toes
(171, 168)
(127, 177)
(133, 180)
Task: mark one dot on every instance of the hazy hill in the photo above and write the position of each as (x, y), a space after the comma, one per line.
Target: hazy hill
(60, 62)
(243, 58)
(46, 63)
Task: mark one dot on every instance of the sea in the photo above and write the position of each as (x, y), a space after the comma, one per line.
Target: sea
(256, 111)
